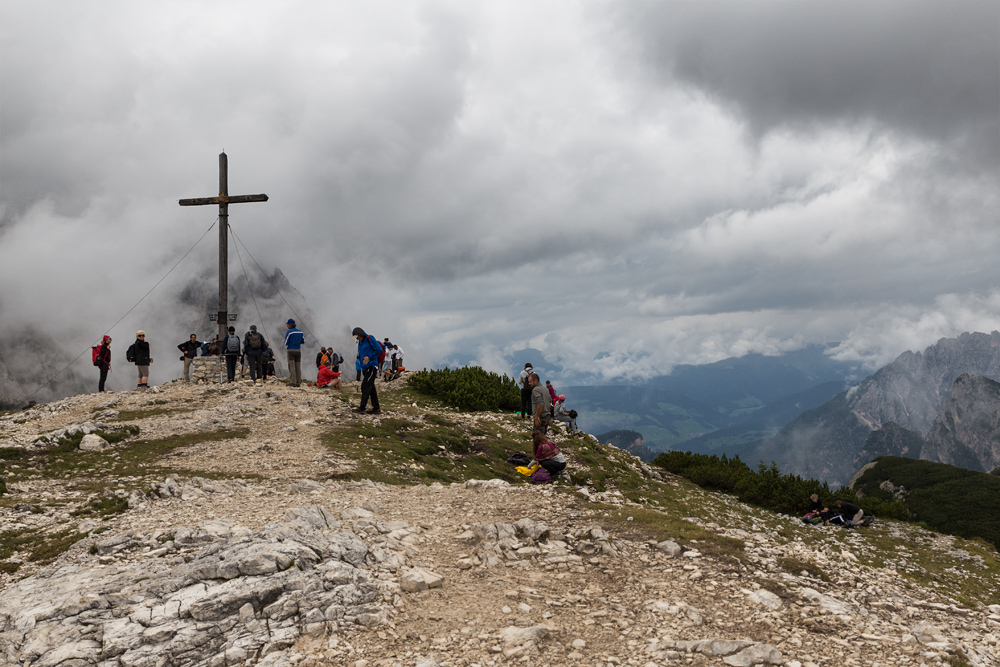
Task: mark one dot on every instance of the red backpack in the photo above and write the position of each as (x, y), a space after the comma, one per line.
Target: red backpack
(381, 354)
(95, 353)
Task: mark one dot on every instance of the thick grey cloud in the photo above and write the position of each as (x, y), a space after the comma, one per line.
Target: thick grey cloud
(924, 67)
(623, 186)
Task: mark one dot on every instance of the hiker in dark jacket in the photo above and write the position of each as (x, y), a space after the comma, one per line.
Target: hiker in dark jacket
(104, 361)
(253, 350)
(211, 348)
(190, 349)
(818, 511)
(268, 362)
(231, 348)
(522, 382)
(853, 515)
(138, 353)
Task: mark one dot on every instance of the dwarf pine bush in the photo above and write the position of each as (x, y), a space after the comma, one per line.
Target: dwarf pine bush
(468, 388)
(767, 487)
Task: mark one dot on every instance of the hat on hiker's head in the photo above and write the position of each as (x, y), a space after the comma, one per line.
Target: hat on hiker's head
(290, 321)
(561, 397)
(528, 365)
(253, 327)
(140, 332)
(106, 339)
(358, 331)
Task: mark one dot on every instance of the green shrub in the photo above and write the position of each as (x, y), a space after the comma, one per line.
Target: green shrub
(946, 498)
(469, 388)
(767, 487)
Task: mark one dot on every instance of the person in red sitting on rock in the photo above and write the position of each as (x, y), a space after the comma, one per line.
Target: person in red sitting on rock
(325, 376)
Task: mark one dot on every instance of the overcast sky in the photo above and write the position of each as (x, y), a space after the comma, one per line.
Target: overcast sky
(621, 185)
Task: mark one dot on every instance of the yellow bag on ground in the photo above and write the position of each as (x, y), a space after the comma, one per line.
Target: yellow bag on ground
(527, 472)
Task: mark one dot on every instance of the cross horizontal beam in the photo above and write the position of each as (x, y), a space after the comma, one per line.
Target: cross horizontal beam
(222, 199)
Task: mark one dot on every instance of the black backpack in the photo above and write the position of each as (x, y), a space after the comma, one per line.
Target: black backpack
(130, 353)
(254, 340)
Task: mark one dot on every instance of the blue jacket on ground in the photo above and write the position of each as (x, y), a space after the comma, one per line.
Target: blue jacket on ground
(294, 339)
(371, 348)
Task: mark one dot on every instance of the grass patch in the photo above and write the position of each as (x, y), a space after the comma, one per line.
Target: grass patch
(651, 524)
(796, 566)
(145, 413)
(92, 469)
(11, 453)
(51, 546)
(969, 572)
(41, 547)
(102, 506)
(405, 451)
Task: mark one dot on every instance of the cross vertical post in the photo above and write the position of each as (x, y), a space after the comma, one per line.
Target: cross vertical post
(223, 245)
(223, 200)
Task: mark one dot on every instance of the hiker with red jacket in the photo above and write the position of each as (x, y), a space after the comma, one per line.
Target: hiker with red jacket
(369, 351)
(103, 361)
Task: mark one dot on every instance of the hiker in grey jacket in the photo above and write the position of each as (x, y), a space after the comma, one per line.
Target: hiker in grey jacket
(231, 348)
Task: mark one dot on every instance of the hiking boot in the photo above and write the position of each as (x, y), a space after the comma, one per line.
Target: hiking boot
(374, 411)
(358, 410)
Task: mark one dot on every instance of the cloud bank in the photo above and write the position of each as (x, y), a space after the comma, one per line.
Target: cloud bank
(623, 186)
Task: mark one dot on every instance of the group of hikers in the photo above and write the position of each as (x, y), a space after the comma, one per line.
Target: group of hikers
(255, 356)
(544, 406)
(846, 514)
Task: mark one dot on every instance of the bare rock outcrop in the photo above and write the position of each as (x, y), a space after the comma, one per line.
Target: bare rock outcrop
(207, 599)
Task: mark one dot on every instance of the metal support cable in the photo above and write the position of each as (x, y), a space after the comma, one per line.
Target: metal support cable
(111, 328)
(268, 279)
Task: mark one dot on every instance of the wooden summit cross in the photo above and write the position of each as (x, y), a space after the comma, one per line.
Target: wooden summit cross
(223, 200)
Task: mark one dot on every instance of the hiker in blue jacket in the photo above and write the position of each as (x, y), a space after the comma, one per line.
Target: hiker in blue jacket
(293, 343)
(369, 350)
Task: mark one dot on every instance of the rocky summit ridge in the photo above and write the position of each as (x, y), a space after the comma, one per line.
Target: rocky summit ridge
(197, 524)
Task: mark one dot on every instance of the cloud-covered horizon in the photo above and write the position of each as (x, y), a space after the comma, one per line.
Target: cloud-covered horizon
(623, 186)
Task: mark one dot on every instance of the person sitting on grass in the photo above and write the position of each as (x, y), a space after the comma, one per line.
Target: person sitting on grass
(818, 512)
(853, 515)
(547, 455)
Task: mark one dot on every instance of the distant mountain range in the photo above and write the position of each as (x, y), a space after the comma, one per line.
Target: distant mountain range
(941, 404)
(966, 433)
(732, 403)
